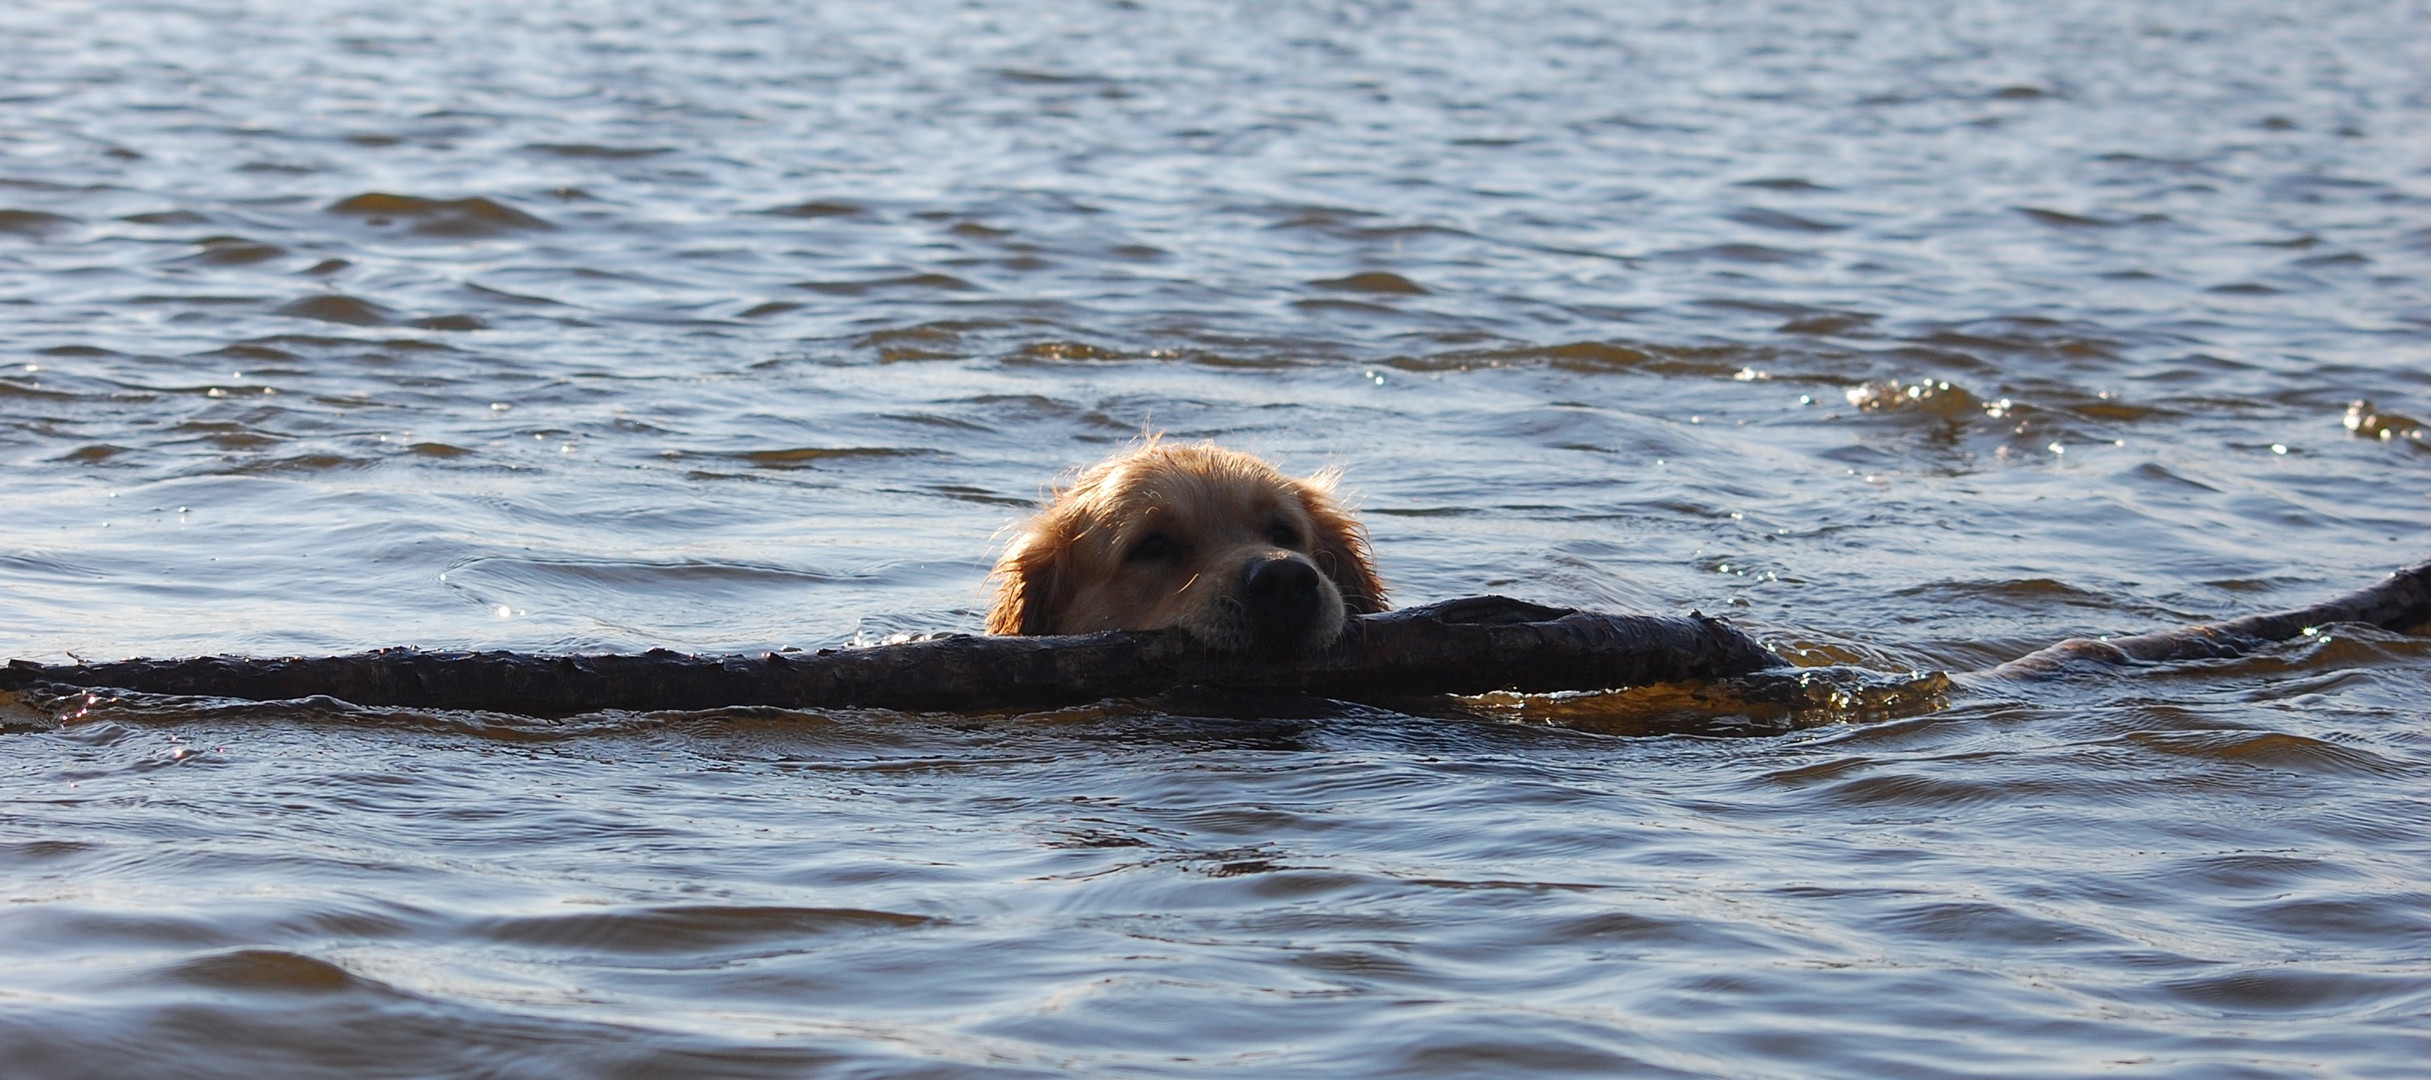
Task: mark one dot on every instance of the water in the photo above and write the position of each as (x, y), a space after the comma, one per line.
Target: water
(1907, 335)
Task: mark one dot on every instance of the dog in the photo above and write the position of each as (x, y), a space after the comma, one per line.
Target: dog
(1212, 542)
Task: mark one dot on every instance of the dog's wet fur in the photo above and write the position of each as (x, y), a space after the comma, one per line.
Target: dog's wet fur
(1193, 537)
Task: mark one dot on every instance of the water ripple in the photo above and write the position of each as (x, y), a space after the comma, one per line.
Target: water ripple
(1904, 337)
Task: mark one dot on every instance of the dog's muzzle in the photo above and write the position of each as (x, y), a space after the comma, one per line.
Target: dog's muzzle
(1285, 600)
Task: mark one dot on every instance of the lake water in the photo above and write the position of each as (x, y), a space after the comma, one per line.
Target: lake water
(1906, 334)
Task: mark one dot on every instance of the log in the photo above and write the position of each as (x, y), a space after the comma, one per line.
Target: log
(1466, 646)
(1475, 645)
(2402, 601)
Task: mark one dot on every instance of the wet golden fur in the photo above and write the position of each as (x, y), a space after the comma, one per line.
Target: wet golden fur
(1165, 536)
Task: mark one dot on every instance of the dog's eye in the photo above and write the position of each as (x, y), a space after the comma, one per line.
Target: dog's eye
(1283, 535)
(1154, 547)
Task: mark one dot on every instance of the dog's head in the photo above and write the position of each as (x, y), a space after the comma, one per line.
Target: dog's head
(1213, 542)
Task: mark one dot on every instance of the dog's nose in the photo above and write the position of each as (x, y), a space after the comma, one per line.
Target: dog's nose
(1282, 598)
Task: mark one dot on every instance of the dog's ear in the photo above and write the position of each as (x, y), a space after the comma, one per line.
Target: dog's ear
(1341, 548)
(1031, 579)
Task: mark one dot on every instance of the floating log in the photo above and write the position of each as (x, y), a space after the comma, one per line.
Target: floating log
(1466, 646)
(2402, 601)
(1475, 645)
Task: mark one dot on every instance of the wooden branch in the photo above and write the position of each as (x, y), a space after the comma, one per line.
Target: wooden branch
(1470, 646)
(2401, 601)
(1464, 646)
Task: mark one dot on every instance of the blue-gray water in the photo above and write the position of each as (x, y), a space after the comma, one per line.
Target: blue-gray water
(1906, 334)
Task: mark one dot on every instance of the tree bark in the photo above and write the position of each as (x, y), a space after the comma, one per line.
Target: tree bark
(2402, 601)
(1469, 646)
(1464, 646)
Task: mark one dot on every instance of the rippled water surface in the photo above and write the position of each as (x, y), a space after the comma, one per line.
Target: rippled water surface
(1907, 334)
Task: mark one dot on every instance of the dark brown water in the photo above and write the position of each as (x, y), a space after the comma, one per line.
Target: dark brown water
(1908, 334)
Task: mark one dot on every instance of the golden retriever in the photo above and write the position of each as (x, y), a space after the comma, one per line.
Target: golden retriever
(1212, 542)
